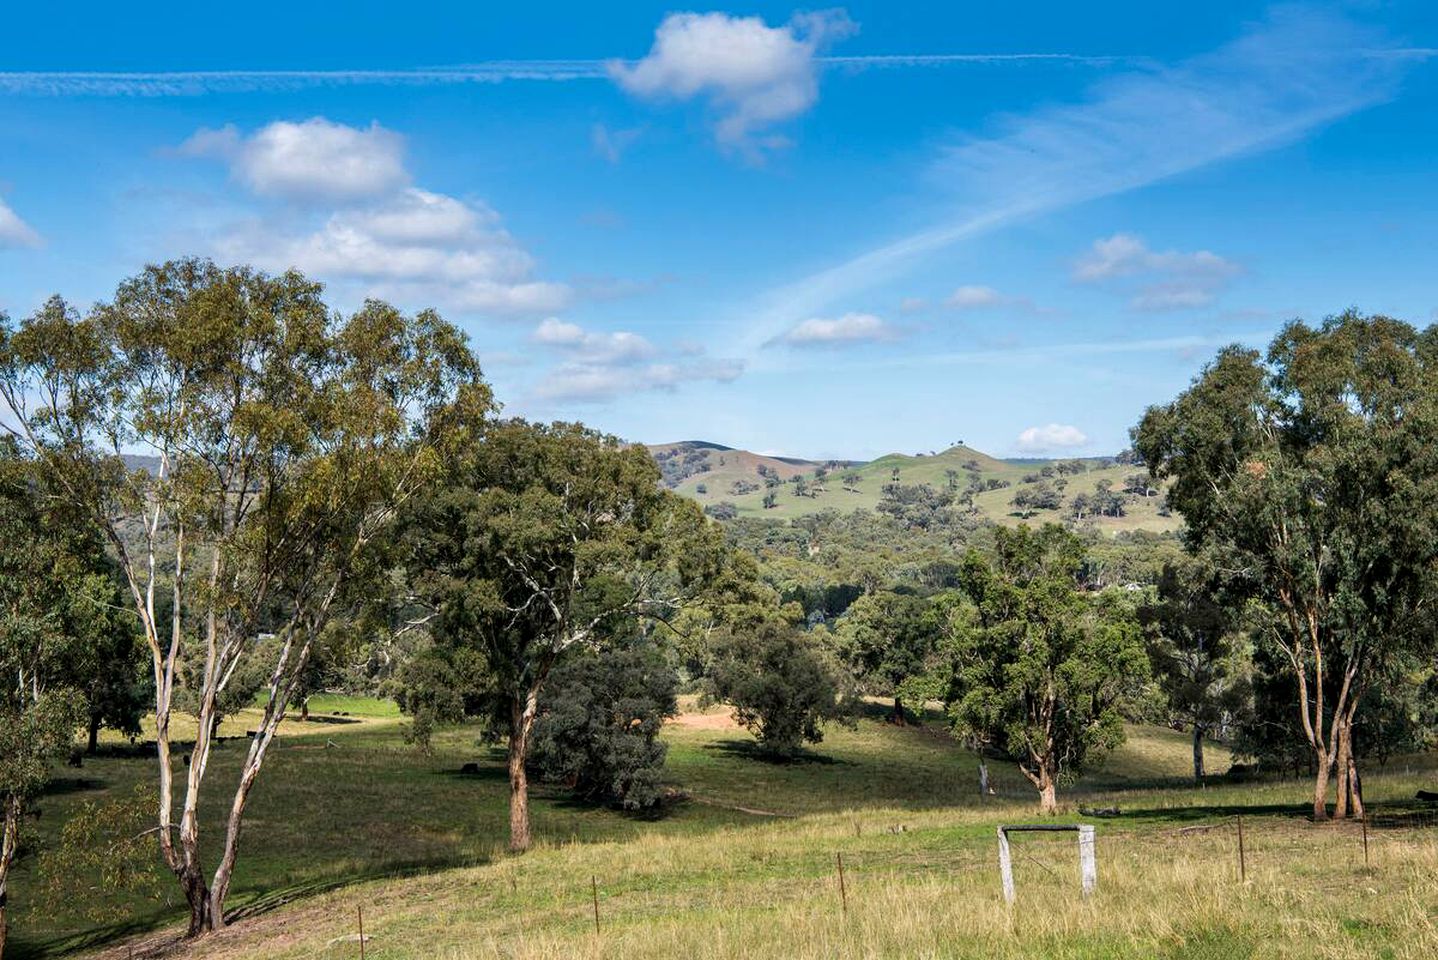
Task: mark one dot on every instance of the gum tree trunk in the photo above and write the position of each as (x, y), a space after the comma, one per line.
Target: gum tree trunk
(1198, 772)
(1341, 770)
(1048, 798)
(1320, 786)
(8, 842)
(522, 712)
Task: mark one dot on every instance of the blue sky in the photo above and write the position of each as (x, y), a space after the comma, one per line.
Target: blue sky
(887, 226)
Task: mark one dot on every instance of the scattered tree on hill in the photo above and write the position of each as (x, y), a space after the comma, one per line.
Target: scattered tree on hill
(918, 507)
(1314, 472)
(1140, 485)
(548, 539)
(771, 500)
(597, 731)
(1198, 652)
(723, 510)
(1104, 501)
(285, 438)
(1040, 670)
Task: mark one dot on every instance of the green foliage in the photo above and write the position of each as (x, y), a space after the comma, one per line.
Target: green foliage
(1040, 671)
(103, 859)
(599, 722)
(884, 638)
(780, 682)
(1314, 472)
(1198, 651)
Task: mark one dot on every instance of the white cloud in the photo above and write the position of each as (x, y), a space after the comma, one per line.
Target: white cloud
(314, 160)
(1049, 437)
(1167, 280)
(412, 245)
(849, 328)
(602, 365)
(753, 75)
(619, 347)
(973, 297)
(15, 232)
(393, 240)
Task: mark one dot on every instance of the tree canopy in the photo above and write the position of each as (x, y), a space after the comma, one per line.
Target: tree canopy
(1313, 471)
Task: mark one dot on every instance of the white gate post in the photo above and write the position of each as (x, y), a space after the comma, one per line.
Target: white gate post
(1088, 864)
(1006, 866)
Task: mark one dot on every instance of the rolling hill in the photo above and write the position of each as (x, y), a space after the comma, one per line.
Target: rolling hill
(713, 474)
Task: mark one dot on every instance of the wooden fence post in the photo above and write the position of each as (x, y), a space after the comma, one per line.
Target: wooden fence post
(843, 892)
(1006, 866)
(1242, 866)
(1088, 863)
(594, 890)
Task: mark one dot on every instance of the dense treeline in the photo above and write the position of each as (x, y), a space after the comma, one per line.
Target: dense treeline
(333, 501)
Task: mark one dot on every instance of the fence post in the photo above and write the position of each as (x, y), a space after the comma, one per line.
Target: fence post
(359, 911)
(594, 891)
(1088, 863)
(1242, 867)
(1006, 866)
(843, 892)
(1364, 820)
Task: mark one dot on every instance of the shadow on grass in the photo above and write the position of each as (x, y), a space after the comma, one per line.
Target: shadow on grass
(327, 718)
(250, 906)
(61, 786)
(1212, 811)
(750, 750)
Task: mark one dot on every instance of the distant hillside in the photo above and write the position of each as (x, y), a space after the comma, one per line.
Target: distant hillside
(713, 474)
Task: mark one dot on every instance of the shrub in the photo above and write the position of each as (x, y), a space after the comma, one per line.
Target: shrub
(782, 686)
(599, 722)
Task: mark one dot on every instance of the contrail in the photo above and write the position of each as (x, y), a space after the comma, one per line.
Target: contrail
(161, 83)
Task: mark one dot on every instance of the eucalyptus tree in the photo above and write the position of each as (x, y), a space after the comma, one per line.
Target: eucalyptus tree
(1040, 670)
(282, 436)
(543, 540)
(885, 638)
(1312, 474)
(54, 603)
(1197, 648)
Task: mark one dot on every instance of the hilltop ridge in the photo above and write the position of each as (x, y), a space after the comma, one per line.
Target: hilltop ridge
(731, 481)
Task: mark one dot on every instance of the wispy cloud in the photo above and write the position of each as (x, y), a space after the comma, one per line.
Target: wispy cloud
(851, 328)
(1166, 280)
(1297, 70)
(1187, 346)
(599, 366)
(15, 232)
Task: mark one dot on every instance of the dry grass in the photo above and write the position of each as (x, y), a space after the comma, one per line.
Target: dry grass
(928, 891)
(897, 803)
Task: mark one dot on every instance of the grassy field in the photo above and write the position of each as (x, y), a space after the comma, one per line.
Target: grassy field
(348, 815)
(727, 467)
